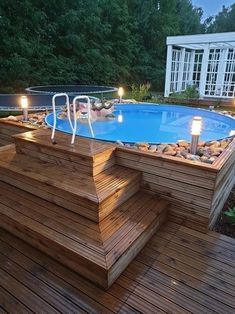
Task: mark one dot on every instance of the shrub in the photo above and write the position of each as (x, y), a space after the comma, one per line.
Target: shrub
(191, 92)
(230, 214)
(139, 92)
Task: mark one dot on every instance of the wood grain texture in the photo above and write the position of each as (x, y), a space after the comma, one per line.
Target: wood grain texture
(196, 191)
(98, 252)
(92, 197)
(168, 276)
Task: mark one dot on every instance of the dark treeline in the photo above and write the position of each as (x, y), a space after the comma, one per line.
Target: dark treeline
(93, 41)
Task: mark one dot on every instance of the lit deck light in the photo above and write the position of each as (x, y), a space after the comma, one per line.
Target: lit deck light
(24, 106)
(120, 117)
(120, 93)
(195, 132)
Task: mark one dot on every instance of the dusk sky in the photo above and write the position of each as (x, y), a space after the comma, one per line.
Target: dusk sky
(212, 7)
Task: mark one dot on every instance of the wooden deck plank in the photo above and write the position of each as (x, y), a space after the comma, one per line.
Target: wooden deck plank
(193, 296)
(59, 285)
(58, 224)
(98, 254)
(163, 278)
(107, 299)
(9, 304)
(208, 238)
(75, 222)
(126, 309)
(148, 279)
(2, 311)
(162, 170)
(93, 198)
(138, 155)
(82, 146)
(78, 184)
(24, 294)
(227, 304)
(201, 265)
(45, 292)
(217, 288)
(221, 237)
(223, 291)
(137, 299)
(214, 251)
(201, 258)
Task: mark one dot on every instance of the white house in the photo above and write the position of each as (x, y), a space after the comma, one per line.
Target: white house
(205, 60)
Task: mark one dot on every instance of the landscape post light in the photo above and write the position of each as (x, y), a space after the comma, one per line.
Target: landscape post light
(24, 106)
(195, 132)
(120, 93)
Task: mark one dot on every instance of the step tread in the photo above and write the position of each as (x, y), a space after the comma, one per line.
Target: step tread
(101, 244)
(96, 188)
(88, 148)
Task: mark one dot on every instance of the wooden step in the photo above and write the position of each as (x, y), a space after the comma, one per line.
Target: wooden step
(92, 197)
(99, 252)
(86, 155)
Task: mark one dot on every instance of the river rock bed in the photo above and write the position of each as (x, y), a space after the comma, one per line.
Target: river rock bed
(207, 152)
(35, 119)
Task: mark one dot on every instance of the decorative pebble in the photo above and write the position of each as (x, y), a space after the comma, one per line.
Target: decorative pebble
(213, 143)
(206, 160)
(161, 148)
(182, 143)
(224, 144)
(11, 118)
(119, 143)
(192, 157)
(216, 151)
(201, 143)
(143, 146)
(207, 152)
(152, 148)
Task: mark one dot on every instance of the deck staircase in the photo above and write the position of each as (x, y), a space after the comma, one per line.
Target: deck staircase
(75, 204)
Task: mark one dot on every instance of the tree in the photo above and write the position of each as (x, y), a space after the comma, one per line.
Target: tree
(89, 42)
(223, 21)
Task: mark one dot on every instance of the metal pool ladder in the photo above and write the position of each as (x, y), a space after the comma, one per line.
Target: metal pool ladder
(73, 124)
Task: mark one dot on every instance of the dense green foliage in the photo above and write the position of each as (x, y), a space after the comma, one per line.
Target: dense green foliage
(139, 92)
(90, 41)
(230, 214)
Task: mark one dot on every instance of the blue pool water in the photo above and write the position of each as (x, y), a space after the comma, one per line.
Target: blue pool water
(152, 124)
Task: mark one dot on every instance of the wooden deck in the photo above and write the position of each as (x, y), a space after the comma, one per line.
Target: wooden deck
(194, 189)
(94, 221)
(179, 271)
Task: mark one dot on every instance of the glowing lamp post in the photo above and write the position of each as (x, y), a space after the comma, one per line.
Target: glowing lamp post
(195, 132)
(24, 106)
(120, 93)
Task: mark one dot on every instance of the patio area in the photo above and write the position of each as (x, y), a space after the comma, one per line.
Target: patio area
(179, 271)
(95, 220)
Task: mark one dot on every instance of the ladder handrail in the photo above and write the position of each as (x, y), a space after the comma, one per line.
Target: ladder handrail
(54, 112)
(75, 115)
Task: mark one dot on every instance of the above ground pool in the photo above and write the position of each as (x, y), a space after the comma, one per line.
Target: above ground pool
(152, 123)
